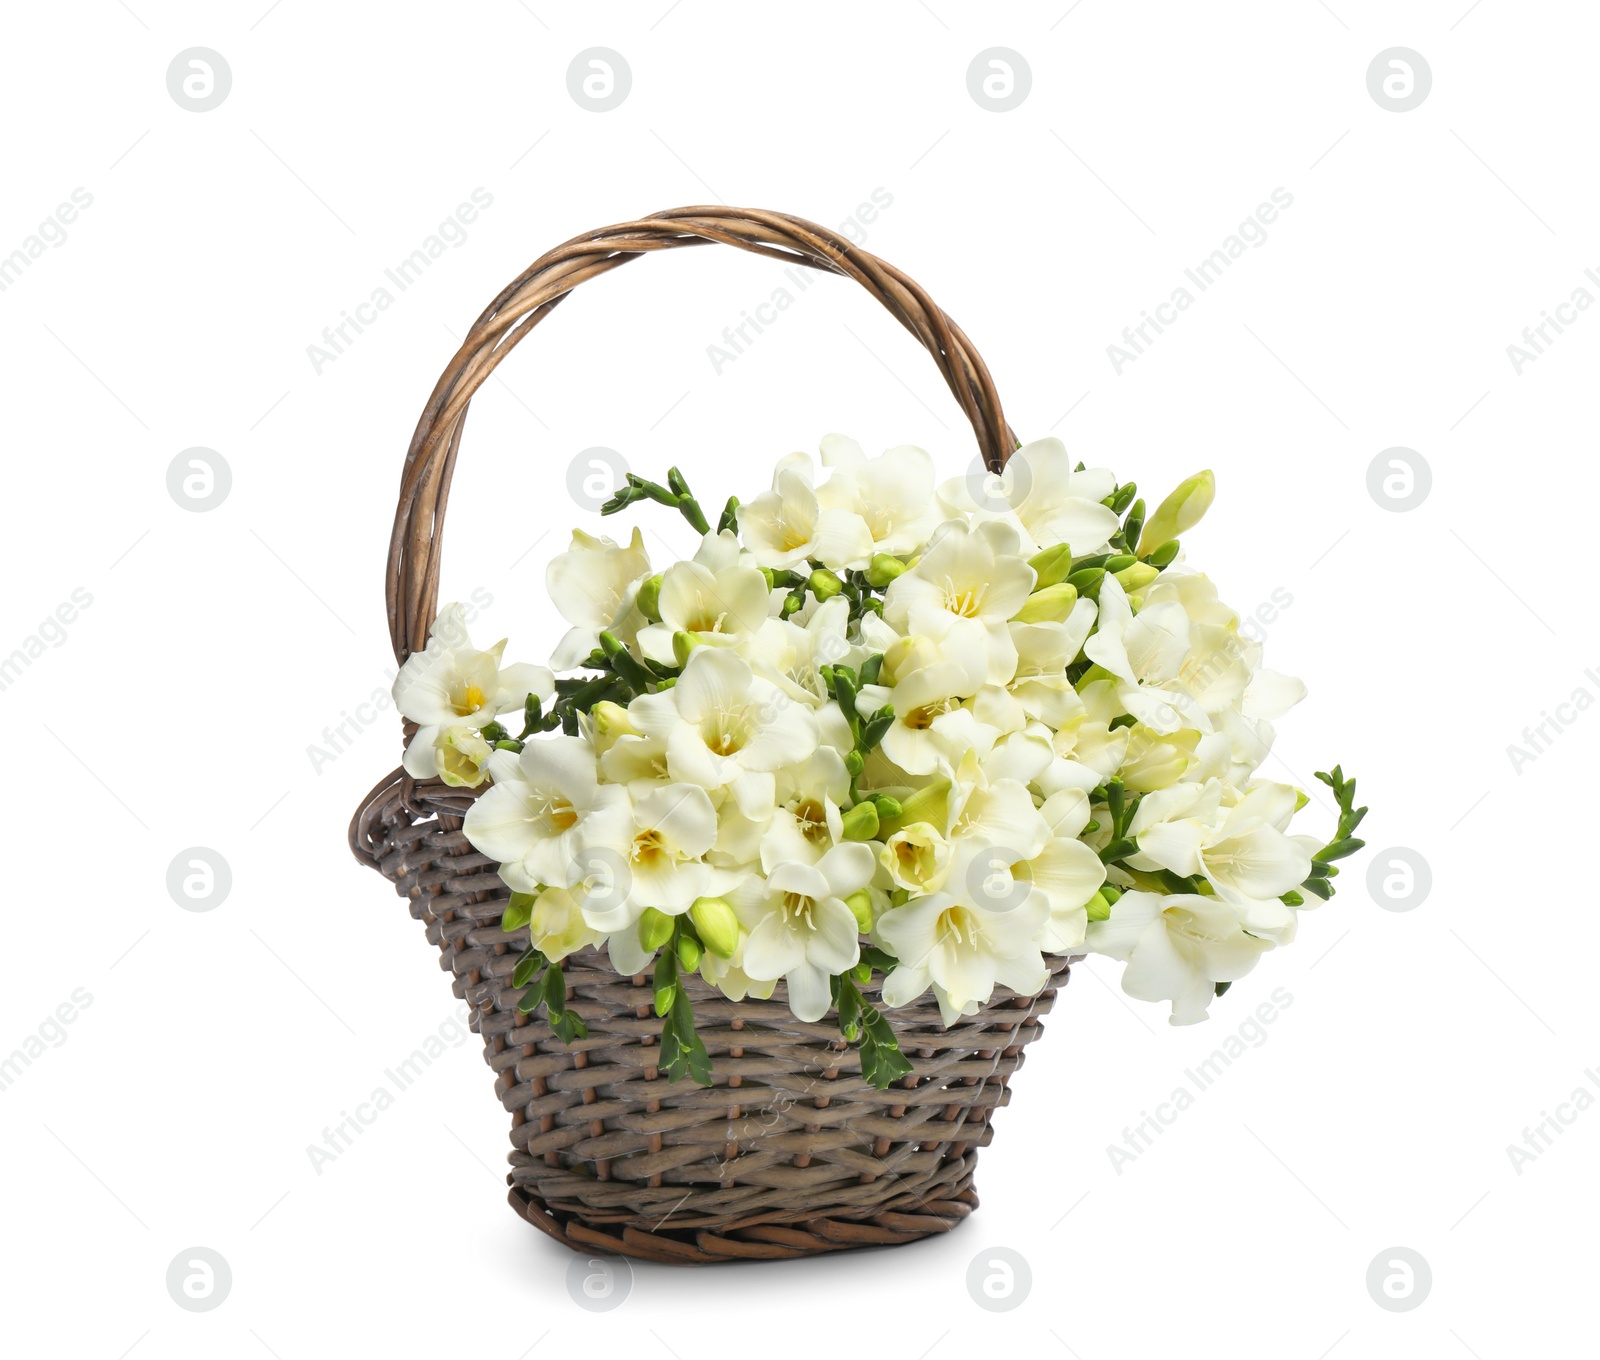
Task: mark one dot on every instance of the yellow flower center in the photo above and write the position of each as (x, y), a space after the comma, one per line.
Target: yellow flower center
(468, 701)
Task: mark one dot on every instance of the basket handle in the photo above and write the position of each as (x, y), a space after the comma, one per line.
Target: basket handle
(412, 588)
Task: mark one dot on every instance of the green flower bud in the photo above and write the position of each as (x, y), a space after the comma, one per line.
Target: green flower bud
(861, 822)
(682, 644)
(1099, 909)
(1087, 581)
(883, 569)
(1050, 605)
(1137, 577)
(1164, 555)
(649, 598)
(1051, 565)
(1180, 512)
(717, 924)
(930, 804)
(888, 807)
(655, 928)
(854, 763)
(824, 584)
(690, 952)
(860, 903)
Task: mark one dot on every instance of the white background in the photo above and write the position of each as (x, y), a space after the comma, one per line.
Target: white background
(180, 707)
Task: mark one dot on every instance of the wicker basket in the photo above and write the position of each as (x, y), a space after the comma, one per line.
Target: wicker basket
(791, 1152)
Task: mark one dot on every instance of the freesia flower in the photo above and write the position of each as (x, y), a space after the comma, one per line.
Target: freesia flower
(963, 949)
(594, 585)
(963, 592)
(720, 597)
(800, 927)
(673, 825)
(788, 524)
(892, 494)
(1042, 494)
(542, 809)
(1177, 948)
(726, 728)
(452, 684)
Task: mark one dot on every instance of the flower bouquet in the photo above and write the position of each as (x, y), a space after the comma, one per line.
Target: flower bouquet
(847, 790)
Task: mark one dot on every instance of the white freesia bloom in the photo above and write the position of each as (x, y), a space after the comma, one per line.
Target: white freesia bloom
(720, 597)
(892, 494)
(788, 525)
(800, 928)
(594, 585)
(1043, 496)
(724, 727)
(1177, 948)
(673, 826)
(964, 949)
(542, 810)
(452, 684)
(963, 592)
(879, 706)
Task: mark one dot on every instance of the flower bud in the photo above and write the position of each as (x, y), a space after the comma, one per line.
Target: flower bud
(649, 598)
(1098, 908)
(824, 584)
(690, 952)
(717, 924)
(1087, 581)
(1137, 577)
(854, 763)
(883, 569)
(1164, 555)
(655, 928)
(887, 807)
(1051, 565)
(1050, 605)
(1180, 512)
(861, 822)
(459, 754)
(930, 804)
(860, 904)
(682, 644)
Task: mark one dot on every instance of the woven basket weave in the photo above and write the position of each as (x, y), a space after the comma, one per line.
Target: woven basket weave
(791, 1152)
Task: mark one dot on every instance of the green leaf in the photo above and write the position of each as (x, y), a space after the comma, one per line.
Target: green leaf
(529, 964)
(848, 1002)
(683, 1053)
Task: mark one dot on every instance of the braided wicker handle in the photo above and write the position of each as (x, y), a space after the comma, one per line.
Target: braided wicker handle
(414, 547)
